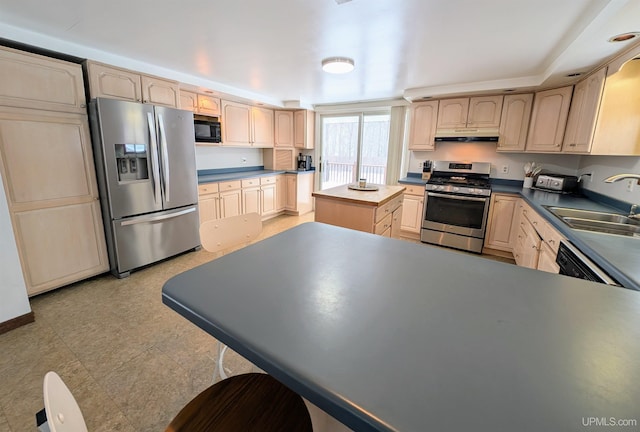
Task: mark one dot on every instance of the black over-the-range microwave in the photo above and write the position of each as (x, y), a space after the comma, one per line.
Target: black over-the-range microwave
(207, 131)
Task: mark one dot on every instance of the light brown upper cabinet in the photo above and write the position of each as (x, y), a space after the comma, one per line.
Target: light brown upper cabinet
(111, 82)
(284, 134)
(452, 113)
(236, 127)
(199, 103)
(422, 122)
(262, 127)
(583, 113)
(304, 129)
(246, 126)
(549, 120)
(188, 100)
(618, 125)
(475, 112)
(208, 105)
(514, 123)
(33, 81)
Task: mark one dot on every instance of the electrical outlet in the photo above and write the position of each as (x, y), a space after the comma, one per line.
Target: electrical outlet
(505, 169)
(420, 165)
(630, 183)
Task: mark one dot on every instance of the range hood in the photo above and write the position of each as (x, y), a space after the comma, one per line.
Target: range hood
(467, 135)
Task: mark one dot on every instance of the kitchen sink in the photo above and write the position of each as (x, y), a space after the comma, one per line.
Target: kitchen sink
(603, 222)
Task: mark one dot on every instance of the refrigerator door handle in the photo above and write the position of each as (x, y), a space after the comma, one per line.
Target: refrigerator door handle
(165, 158)
(157, 218)
(153, 143)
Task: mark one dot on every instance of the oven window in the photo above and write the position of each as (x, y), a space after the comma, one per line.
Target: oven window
(468, 214)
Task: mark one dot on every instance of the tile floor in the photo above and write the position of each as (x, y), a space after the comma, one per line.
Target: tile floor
(130, 361)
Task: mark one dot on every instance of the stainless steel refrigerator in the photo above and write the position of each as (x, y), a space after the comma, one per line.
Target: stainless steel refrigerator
(145, 162)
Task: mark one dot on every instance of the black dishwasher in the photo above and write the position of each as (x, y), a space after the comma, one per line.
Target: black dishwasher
(574, 263)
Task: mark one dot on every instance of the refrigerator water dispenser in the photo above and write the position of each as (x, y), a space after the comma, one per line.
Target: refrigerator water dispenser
(132, 162)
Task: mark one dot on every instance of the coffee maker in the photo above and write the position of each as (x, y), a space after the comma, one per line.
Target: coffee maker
(304, 162)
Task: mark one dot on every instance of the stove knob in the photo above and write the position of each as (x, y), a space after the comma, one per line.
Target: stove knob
(473, 191)
(456, 189)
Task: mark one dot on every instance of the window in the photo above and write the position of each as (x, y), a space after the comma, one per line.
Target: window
(354, 146)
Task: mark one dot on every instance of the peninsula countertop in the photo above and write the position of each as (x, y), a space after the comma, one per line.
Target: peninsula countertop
(387, 335)
(372, 198)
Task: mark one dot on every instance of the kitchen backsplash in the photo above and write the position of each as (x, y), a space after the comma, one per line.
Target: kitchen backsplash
(601, 167)
(605, 166)
(486, 152)
(210, 157)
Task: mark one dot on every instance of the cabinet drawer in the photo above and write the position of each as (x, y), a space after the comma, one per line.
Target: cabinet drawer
(387, 208)
(414, 190)
(207, 188)
(552, 237)
(536, 220)
(268, 180)
(229, 185)
(383, 225)
(247, 183)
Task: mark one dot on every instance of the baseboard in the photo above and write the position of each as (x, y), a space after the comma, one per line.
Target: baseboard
(496, 252)
(16, 322)
(409, 235)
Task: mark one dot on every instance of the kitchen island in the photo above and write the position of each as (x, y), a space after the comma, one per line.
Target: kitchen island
(377, 212)
(387, 335)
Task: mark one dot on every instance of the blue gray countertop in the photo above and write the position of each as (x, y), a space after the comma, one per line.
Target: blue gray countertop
(619, 256)
(228, 174)
(387, 335)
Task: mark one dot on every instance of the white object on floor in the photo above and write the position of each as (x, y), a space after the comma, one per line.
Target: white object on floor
(62, 410)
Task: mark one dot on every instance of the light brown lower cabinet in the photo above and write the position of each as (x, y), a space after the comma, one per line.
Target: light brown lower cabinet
(299, 188)
(230, 203)
(501, 231)
(208, 202)
(412, 209)
(281, 193)
(361, 215)
(536, 241)
(527, 245)
(267, 196)
(60, 245)
(547, 259)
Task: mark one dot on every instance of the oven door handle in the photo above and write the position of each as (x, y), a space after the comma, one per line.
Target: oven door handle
(458, 197)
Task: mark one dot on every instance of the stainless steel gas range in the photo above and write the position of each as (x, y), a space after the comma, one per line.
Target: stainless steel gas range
(457, 205)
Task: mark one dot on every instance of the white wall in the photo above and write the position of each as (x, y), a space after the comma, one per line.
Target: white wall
(486, 152)
(605, 166)
(209, 157)
(13, 292)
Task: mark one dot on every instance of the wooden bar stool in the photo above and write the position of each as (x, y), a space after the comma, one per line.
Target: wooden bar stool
(252, 402)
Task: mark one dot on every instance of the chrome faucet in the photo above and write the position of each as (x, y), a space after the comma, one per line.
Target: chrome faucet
(618, 177)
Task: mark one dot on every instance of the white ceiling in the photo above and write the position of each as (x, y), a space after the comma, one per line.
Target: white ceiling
(271, 50)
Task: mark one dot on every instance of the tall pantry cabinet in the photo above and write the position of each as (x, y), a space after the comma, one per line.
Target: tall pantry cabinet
(48, 171)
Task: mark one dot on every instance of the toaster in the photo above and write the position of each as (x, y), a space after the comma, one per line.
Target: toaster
(560, 183)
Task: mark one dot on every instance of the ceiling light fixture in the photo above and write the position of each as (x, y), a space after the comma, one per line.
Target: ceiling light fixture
(337, 65)
(624, 37)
